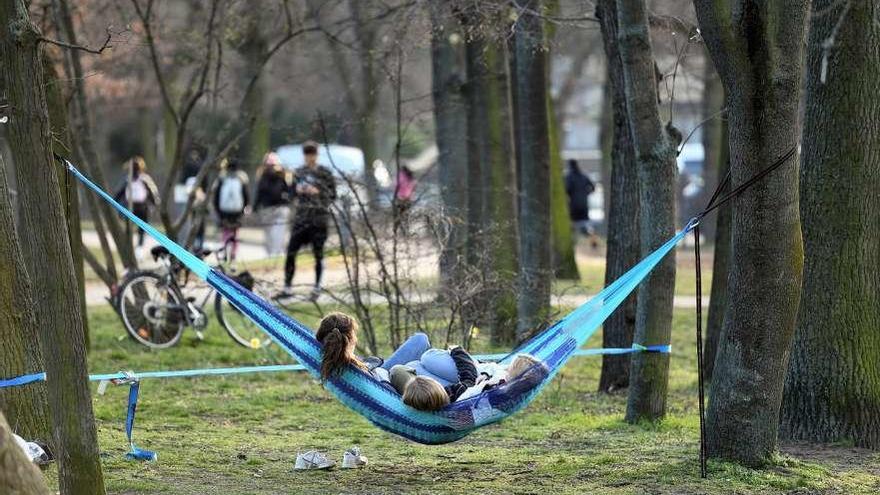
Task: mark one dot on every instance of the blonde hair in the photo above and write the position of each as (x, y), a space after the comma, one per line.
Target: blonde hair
(425, 394)
(521, 363)
(337, 334)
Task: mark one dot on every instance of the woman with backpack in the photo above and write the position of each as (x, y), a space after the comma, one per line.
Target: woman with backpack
(138, 192)
(273, 203)
(230, 200)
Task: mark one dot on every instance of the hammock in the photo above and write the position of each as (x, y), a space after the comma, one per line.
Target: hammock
(365, 395)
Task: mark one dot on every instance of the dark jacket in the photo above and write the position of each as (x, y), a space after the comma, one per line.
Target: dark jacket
(578, 187)
(467, 373)
(314, 208)
(272, 190)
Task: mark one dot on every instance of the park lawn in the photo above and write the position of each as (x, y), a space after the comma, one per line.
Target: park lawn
(240, 435)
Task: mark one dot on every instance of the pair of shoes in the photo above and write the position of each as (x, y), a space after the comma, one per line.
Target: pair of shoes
(353, 458)
(313, 459)
(286, 292)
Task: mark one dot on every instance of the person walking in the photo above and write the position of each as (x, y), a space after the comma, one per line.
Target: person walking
(272, 203)
(579, 187)
(140, 194)
(314, 190)
(230, 201)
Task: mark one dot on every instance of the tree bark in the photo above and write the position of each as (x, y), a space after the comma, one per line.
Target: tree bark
(531, 140)
(478, 153)
(720, 263)
(55, 99)
(253, 50)
(623, 247)
(20, 353)
(502, 198)
(450, 127)
(757, 49)
(48, 256)
(562, 235)
(18, 475)
(369, 95)
(655, 149)
(832, 389)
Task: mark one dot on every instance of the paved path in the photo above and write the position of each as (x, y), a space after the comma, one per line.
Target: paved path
(423, 266)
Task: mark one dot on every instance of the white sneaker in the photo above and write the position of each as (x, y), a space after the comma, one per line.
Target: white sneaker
(312, 460)
(353, 458)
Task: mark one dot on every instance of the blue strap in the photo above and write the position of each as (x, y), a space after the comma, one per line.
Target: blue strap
(136, 454)
(22, 380)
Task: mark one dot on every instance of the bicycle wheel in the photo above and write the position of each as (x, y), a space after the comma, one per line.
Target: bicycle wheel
(152, 312)
(242, 330)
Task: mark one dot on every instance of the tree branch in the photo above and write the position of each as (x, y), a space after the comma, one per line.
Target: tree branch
(71, 46)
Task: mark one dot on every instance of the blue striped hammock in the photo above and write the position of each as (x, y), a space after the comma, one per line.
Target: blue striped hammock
(365, 395)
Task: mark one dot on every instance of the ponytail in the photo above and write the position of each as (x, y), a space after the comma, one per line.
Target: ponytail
(337, 334)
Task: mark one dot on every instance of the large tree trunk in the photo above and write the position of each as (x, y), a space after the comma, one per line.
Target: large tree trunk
(20, 353)
(18, 475)
(450, 124)
(720, 264)
(622, 214)
(502, 198)
(655, 149)
(55, 99)
(48, 256)
(832, 390)
(531, 140)
(478, 153)
(369, 95)
(256, 142)
(757, 49)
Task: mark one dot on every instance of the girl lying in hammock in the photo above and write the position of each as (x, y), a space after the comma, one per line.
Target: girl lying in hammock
(428, 379)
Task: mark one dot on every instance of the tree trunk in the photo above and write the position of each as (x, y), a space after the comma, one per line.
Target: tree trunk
(502, 198)
(450, 123)
(714, 141)
(20, 353)
(607, 127)
(832, 390)
(369, 95)
(622, 217)
(253, 50)
(757, 49)
(18, 475)
(70, 192)
(531, 140)
(655, 158)
(720, 262)
(562, 236)
(84, 146)
(48, 256)
(478, 154)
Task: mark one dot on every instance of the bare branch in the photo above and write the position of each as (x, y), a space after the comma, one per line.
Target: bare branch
(71, 46)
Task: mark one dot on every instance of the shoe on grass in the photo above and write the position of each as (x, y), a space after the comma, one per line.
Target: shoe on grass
(316, 291)
(353, 458)
(312, 460)
(285, 293)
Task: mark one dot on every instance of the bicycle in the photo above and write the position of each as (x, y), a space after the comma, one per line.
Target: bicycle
(155, 310)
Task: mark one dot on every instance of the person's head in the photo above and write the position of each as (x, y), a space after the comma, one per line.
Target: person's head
(271, 161)
(232, 165)
(573, 166)
(406, 171)
(521, 363)
(310, 153)
(138, 165)
(337, 334)
(425, 394)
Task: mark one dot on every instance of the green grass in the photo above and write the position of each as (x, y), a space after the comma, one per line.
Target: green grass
(240, 435)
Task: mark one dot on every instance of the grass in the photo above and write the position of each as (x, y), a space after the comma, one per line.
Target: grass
(240, 435)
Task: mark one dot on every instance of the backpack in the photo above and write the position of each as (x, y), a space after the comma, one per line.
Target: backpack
(137, 191)
(231, 195)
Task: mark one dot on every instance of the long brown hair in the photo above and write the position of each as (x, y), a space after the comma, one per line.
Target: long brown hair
(337, 334)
